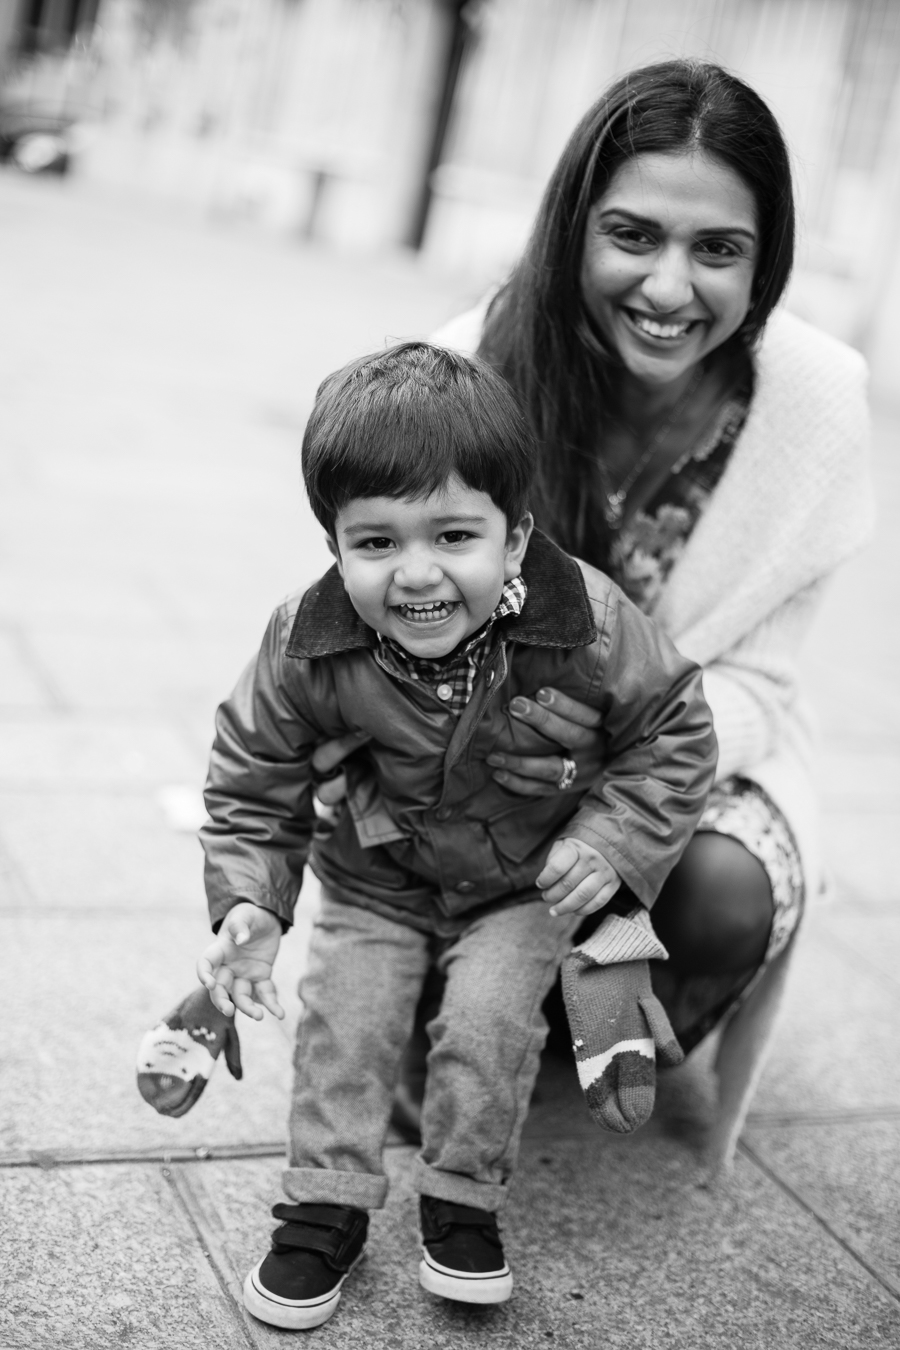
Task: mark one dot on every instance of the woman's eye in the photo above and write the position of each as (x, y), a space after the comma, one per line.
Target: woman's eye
(721, 250)
(632, 239)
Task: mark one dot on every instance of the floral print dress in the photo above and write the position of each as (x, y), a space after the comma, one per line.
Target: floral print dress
(644, 552)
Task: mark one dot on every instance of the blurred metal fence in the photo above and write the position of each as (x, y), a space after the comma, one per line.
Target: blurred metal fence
(378, 122)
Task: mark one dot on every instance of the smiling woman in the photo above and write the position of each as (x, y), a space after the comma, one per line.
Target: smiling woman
(706, 452)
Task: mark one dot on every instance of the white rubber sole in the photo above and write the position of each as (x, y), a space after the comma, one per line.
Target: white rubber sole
(282, 1312)
(496, 1287)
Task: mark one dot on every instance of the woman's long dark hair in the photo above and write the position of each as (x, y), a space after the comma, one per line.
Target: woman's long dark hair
(538, 332)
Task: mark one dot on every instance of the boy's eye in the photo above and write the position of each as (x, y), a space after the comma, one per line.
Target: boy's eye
(456, 536)
(376, 544)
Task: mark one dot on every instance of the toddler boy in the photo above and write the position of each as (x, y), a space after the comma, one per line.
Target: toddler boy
(442, 605)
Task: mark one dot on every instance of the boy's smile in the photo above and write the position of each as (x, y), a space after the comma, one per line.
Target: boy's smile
(427, 572)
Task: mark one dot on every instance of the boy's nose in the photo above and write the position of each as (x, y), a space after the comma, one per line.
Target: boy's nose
(417, 572)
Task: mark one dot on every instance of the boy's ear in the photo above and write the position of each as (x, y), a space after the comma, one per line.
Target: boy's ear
(516, 547)
(335, 553)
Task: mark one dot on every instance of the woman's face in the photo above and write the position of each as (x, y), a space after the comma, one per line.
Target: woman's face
(669, 255)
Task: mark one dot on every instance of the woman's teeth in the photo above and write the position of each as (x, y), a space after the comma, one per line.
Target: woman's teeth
(437, 609)
(659, 330)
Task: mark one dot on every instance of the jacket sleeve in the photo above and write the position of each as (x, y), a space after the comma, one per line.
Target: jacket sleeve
(258, 791)
(661, 753)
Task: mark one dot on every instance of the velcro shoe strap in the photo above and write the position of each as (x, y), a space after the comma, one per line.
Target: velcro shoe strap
(444, 1215)
(328, 1216)
(327, 1241)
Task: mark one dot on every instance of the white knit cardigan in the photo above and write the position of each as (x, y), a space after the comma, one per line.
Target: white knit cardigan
(795, 501)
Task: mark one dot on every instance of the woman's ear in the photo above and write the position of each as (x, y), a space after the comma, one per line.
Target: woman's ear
(516, 547)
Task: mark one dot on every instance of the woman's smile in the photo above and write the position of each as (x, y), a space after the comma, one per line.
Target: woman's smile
(660, 330)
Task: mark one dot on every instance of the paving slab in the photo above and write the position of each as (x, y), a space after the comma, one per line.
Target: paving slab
(21, 684)
(105, 1257)
(81, 989)
(863, 853)
(612, 1243)
(861, 778)
(78, 850)
(832, 1050)
(89, 752)
(850, 1173)
(109, 671)
(871, 933)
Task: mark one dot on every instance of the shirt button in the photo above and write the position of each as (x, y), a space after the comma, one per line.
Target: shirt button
(464, 887)
(443, 813)
(444, 691)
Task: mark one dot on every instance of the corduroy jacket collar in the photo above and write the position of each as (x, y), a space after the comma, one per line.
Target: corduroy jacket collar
(556, 613)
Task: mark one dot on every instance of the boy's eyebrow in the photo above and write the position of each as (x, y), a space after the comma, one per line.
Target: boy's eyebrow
(371, 527)
(638, 219)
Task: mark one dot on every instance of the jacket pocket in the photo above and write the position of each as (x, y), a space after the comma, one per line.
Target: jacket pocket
(522, 832)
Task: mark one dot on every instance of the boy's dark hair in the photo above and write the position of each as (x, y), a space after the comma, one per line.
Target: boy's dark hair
(400, 422)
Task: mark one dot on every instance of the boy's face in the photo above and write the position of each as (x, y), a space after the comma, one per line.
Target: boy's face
(427, 572)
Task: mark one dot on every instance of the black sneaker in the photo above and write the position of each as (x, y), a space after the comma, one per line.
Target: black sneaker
(298, 1284)
(462, 1256)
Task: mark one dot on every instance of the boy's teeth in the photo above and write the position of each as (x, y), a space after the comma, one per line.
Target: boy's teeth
(432, 610)
(661, 330)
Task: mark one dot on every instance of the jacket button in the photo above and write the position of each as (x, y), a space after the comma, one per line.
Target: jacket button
(489, 678)
(444, 692)
(464, 887)
(443, 813)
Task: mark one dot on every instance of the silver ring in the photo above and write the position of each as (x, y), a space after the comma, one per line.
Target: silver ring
(567, 777)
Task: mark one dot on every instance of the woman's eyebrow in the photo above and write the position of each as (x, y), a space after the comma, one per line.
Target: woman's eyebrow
(637, 219)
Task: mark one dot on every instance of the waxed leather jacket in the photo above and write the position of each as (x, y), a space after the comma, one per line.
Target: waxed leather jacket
(430, 837)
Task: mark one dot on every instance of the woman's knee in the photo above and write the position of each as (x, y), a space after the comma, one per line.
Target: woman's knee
(714, 914)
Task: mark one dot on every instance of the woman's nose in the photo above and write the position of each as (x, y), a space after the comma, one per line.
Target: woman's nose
(669, 285)
(417, 570)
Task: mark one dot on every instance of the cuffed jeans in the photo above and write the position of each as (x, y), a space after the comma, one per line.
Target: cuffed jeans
(360, 991)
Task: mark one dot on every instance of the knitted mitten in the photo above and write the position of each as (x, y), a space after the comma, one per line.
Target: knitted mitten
(618, 1025)
(176, 1058)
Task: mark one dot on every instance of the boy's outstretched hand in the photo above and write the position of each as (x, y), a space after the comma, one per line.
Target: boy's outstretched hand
(577, 879)
(237, 967)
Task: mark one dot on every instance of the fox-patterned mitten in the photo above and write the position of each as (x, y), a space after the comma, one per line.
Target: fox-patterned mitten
(618, 1025)
(176, 1058)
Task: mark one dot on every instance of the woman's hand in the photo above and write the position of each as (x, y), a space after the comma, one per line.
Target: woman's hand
(330, 779)
(572, 725)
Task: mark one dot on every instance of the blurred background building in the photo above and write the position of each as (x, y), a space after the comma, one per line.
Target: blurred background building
(433, 124)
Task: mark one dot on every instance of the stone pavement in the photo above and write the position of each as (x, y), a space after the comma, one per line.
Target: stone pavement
(155, 373)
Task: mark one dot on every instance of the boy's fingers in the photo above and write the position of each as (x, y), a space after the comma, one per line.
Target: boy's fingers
(219, 998)
(575, 879)
(586, 898)
(562, 858)
(267, 995)
(242, 997)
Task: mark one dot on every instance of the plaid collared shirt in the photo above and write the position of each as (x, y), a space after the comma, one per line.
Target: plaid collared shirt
(453, 677)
